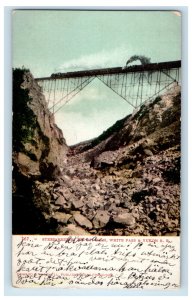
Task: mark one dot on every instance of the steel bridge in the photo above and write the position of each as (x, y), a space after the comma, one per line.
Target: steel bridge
(134, 84)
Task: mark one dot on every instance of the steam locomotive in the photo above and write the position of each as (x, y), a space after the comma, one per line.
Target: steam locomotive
(86, 73)
(125, 69)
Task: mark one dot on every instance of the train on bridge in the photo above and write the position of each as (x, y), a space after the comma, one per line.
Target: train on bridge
(135, 84)
(116, 70)
(86, 72)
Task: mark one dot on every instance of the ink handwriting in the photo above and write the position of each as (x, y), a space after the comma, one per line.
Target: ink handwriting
(136, 263)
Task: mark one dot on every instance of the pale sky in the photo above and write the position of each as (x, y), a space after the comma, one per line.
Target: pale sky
(51, 41)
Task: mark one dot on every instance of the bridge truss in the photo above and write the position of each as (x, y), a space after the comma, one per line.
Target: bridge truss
(134, 84)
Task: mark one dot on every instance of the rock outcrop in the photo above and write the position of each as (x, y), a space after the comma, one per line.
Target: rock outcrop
(39, 152)
(125, 182)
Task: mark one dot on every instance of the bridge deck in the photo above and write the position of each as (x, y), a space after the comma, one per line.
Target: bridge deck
(136, 68)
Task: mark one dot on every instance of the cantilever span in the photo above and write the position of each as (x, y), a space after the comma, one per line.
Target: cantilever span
(134, 84)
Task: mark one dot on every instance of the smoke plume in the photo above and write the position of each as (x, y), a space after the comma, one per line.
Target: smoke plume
(143, 59)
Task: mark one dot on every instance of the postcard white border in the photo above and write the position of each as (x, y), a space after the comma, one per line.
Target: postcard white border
(9, 291)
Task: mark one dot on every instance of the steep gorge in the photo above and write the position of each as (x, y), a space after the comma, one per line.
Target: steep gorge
(125, 182)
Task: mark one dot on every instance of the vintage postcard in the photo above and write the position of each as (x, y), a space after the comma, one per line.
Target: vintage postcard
(96, 149)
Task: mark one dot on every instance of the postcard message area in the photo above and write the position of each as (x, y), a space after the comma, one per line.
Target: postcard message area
(96, 262)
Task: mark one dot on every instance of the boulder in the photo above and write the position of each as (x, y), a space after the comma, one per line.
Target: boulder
(60, 200)
(65, 192)
(72, 229)
(76, 203)
(95, 201)
(82, 221)
(62, 217)
(124, 218)
(101, 219)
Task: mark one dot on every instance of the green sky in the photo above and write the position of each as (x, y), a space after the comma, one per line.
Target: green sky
(50, 41)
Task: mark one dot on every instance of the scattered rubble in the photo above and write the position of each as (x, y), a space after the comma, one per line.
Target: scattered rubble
(123, 183)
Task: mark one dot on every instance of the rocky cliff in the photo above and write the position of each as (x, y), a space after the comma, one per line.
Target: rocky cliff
(39, 151)
(125, 182)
